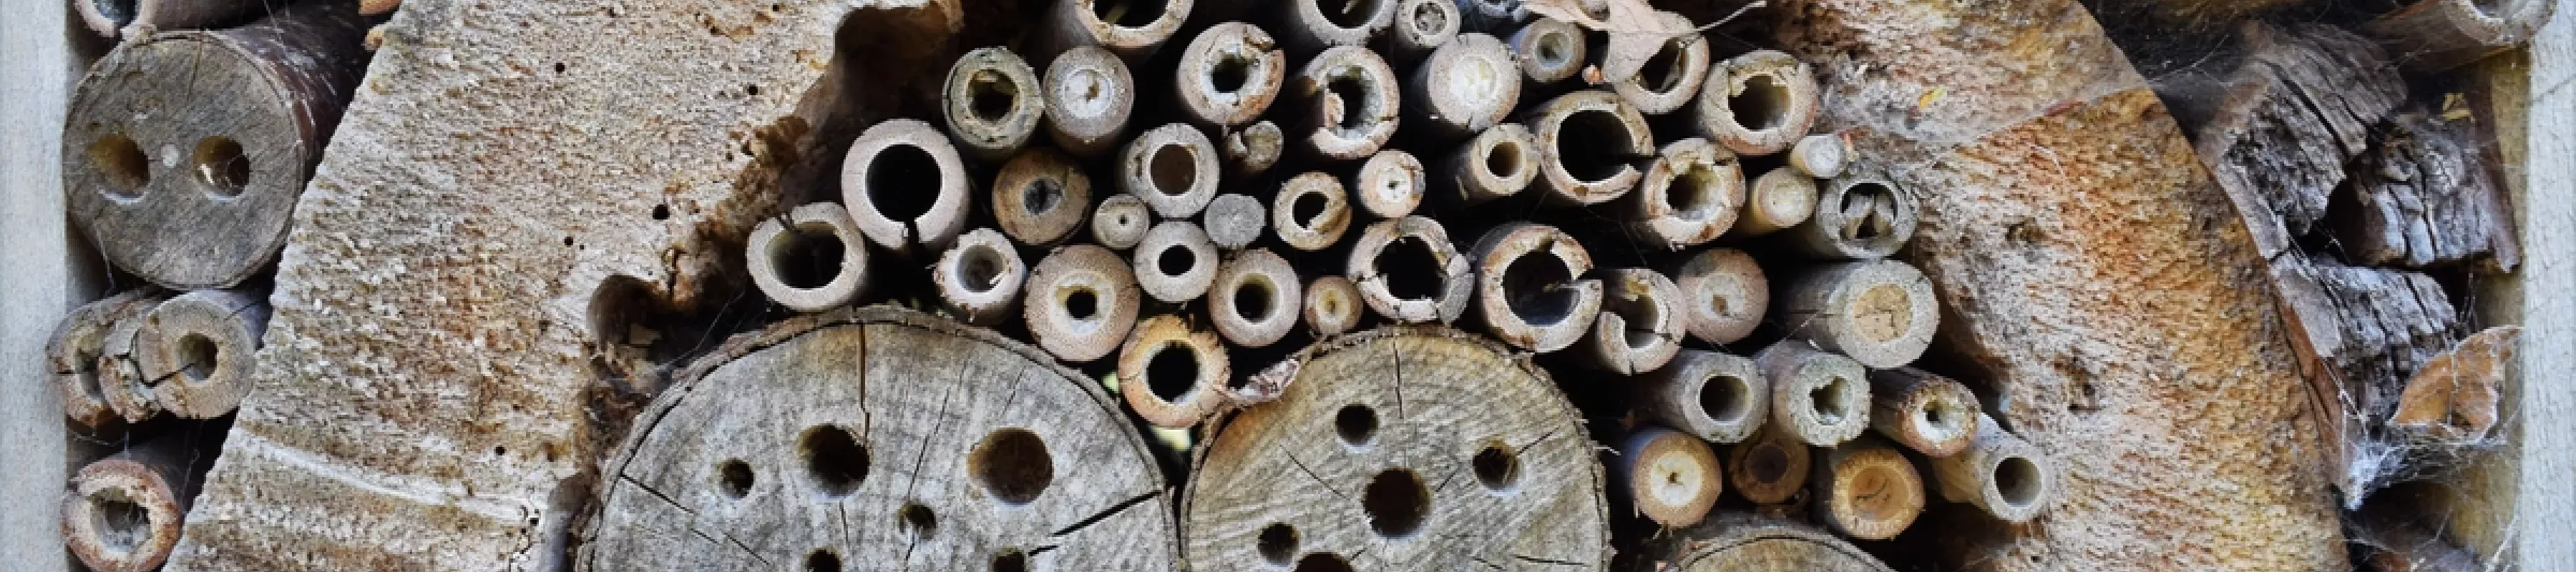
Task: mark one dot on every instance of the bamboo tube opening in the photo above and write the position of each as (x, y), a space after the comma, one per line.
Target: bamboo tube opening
(122, 524)
(1538, 289)
(905, 187)
(74, 350)
(1311, 212)
(1230, 74)
(1549, 50)
(1673, 74)
(1121, 221)
(2019, 481)
(1407, 270)
(1040, 197)
(991, 95)
(1081, 302)
(1411, 270)
(1769, 468)
(992, 103)
(1089, 95)
(810, 259)
(1012, 464)
(1354, 99)
(195, 352)
(1497, 163)
(1588, 145)
(1173, 168)
(1396, 503)
(1817, 396)
(980, 278)
(1420, 27)
(1760, 106)
(1637, 330)
(1176, 262)
(1531, 292)
(834, 460)
(123, 515)
(1507, 159)
(1172, 373)
(1129, 13)
(1728, 399)
(807, 257)
(1255, 300)
(1869, 490)
(1830, 400)
(197, 356)
(1758, 103)
(1332, 306)
(1428, 19)
(1390, 184)
(896, 177)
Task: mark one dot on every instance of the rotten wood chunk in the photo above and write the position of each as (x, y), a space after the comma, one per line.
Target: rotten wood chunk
(979, 279)
(1769, 468)
(122, 513)
(2299, 108)
(1408, 271)
(1040, 197)
(906, 187)
(1690, 195)
(1998, 472)
(72, 354)
(1230, 74)
(1080, 302)
(197, 351)
(1868, 490)
(810, 260)
(1670, 476)
(213, 131)
(1717, 397)
(1310, 212)
(1172, 374)
(1933, 415)
(849, 404)
(1749, 543)
(2454, 397)
(1474, 457)
(2437, 35)
(2420, 197)
(2373, 328)
(992, 103)
(1254, 302)
(1332, 306)
(1818, 397)
(1531, 287)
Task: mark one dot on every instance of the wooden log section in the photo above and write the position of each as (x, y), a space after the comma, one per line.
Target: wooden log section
(812, 259)
(72, 353)
(1880, 313)
(1590, 144)
(1769, 468)
(1089, 96)
(1779, 199)
(979, 279)
(1233, 221)
(1391, 184)
(1408, 271)
(1668, 475)
(1121, 221)
(1497, 163)
(906, 187)
(1490, 16)
(1230, 74)
(1420, 27)
(1040, 197)
(1640, 324)
(122, 513)
(2421, 196)
(1310, 212)
(1673, 75)
(1332, 306)
(1479, 460)
(1868, 490)
(1819, 397)
(1132, 29)
(1724, 295)
(121, 382)
(1080, 302)
(1758, 103)
(992, 103)
(1549, 50)
(114, 19)
(1531, 287)
(1350, 100)
(2294, 113)
(1856, 217)
(1253, 149)
(1175, 263)
(1467, 86)
(1998, 472)
(1933, 415)
(1821, 156)
(1173, 168)
(1255, 300)
(196, 351)
(1310, 26)
(1746, 543)
(1690, 195)
(2437, 35)
(212, 131)
(1716, 397)
(877, 435)
(1171, 374)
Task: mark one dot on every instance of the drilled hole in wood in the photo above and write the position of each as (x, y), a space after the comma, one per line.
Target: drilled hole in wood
(1539, 289)
(1252, 301)
(662, 212)
(1013, 465)
(1174, 168)
(2019, 481)
(902, 182)
(1278, 543)
(221, 166)
(734, 478)
(1505, 159)
(1726, 398)
(1354, 93)
(1230, 73)
(1396, 503)
(1410, 269)
(1175, 260)
(1356, 424)
(918, 520)
(1347, 13)
(1012, 560)
(1762, 105)
(1827, 401)
(1591, 144)
(1323, 562)
(197, 355)
(834, 461)
(1082, 304)
(1128, 14)
(808, 256)
(122, 524)
(979, 268)
(1173, 372)
(1497, 466)
(991, 95)
(823, 561)
(123, 162)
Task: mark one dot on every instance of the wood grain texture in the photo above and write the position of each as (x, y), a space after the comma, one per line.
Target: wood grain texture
(833, 433)
(2421, 196)
(1743, 542)
(2295, 111)
(1501, 470)
(2438, 35)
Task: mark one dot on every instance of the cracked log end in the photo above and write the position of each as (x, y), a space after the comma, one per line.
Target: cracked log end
(1998, 472)
(1770, 468)
(1819, 397)
(992, 102)
(1690, 195)
(1421, 27)
(1466, 87)
(811, 260)
(1173, 168)
(1234, 221)
(1171, 375)
(1040, 197)
(1176, 262)
(197, 351)
(1409, 272)
(1089, 95)
(1724, 295)
(1497, 163)
(1933, 415)
(1880, 313)
(1747, 543)
(1550, 50)
(1080, 302)
(72, 354)
(1332, 306)
(1531, 288)
(1673, 75)
(1714, 396)
(1856, 218)
(1758, 103)
(1252, 150)
(1310, 213)
(1121, 221)
(979, 279)
(1779, 199)
(1391, 184)
(1868, 490)
(1351, 100)
(1640, 324)
(1590, 144)
(1670, 476)
(1255, 300)
(905, 187)
(1474, 457)
(1230, 74)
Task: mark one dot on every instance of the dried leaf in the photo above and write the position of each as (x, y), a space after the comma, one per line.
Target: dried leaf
(1637, 30)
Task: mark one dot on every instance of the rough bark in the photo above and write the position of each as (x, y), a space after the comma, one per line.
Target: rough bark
(2296, 110)
(2422, 196)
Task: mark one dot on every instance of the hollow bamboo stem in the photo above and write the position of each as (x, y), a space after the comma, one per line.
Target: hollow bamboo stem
(1933, 415)
(1724, 295)
(1639, 327)
(1080, 302)
(197, 351)
(1176, 262)
(1818, 397)
(1670, 476)
(1531, 287)
(1310, 212)
(1868, 490)
(1717, 397)
(980, 278)
(889, 168)
(1255, 300)
(812, 259)
(1169, 374)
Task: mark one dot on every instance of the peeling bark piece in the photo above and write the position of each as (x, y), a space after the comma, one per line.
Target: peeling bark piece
(1310, 213)
(1309, 26)
(1351, 99)
(1690, 195)
(214, 131)
(1420, 26)
(1233, 221)
(1818, 397)
(992, 102)
(1467, 86)
(979, 279)
(1589, 145)
(1391, 184)
(1673, 75)
(1172, 374)
(1252, 150)
(1881, 313)
(1080, 303)
(2374, 328)
(1668, 475)
(1933, 415)
(1769, 468)
(795, 446)
(2298, 109)
(1255, 300)
(1780, 199)
(1040, 197)
(2437, 35)
(1857, 217)
(2454, 397)
(72, 354)
(115, 19)
(2421, 197)
(1497, 163)
(1550, 50)
(1999, 472)
(1723, 295)
(905, 187)
(1230, 74)
(1742, 542)
(1341, 471)
(1408, 271)
(1714, 396)
(1089, 96)
(1531, 287)
(198, 351)
(1175, 263)
(1173, 168)
(1121, 221)
(1758, 103)
(1868, 490)
(1640, 323)
(1821, 156)
(810, 260)
(1133, 29)
(123, 513)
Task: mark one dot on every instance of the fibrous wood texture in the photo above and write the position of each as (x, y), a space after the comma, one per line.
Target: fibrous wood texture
(2422, 196)
(1736, 542)
(72, 353)
(1410, 448)
(2299, 107)
(2063, 187)
(879, 437)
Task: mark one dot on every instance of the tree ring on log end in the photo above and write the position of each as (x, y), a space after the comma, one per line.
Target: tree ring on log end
(1504, 465)
(969, 440)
